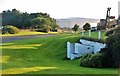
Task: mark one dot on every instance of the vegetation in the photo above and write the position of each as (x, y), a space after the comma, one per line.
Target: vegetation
(75, 28)
(44, 56)
(46, 28)
(108, 57)
(87, 26)
(9, 29)
(92, 60)
(42, 24)
(97, 60)
(27, 21)
(85, 60)
(113, 46)
(28, 32)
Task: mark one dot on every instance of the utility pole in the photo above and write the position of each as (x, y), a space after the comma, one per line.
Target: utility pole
(108, 18)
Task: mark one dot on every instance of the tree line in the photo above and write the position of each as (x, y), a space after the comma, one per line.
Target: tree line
(24, 20)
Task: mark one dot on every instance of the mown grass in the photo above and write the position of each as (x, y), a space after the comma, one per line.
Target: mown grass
(28, 32)
(44, 56)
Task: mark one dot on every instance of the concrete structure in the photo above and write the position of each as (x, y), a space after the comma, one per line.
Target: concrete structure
(84, 47)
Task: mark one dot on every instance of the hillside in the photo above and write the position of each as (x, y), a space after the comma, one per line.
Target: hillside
(70, 22)
(44, 56)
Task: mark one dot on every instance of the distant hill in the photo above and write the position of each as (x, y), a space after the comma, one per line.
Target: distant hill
(70, 22)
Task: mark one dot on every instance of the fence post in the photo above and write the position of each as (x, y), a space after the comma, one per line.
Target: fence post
(99, 35)
(82, 33)
(89, 33)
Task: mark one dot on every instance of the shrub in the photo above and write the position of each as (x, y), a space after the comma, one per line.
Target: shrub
(112, 54)
(85, 60)
(10, 30)
(97, 60)
(92, 60)
(111, 31)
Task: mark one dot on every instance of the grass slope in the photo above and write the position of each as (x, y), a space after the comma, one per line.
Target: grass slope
(44, 56)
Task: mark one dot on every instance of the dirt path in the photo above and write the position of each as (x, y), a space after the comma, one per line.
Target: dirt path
(12, 38)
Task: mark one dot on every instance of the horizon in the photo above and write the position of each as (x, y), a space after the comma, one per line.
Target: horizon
(62, 9)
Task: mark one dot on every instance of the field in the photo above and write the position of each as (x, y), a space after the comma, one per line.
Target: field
(45, 56)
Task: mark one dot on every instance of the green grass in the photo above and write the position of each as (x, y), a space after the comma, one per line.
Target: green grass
(44, 56)
(28, 32)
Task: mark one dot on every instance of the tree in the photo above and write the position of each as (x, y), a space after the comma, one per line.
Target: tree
(36, 22)
(46, 28)
(54, 25)
(86, 26)
(41, 23)
(112, 53)
(12, 18)
(25, 20)
(75, 28)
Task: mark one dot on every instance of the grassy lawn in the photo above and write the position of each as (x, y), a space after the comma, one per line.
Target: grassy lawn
(27, 32)
(44, 56)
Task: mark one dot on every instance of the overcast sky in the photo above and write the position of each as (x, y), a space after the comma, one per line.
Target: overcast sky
(64, 8)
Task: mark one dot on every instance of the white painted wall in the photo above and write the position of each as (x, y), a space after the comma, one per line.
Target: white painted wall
(77, 49)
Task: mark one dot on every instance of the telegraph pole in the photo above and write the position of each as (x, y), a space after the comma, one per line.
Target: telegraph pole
(108, 17)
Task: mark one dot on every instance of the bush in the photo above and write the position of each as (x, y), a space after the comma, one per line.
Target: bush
(85, 60)
(10, 30)
(112, 54)
(111, 31)
(92, 60)
(97, 60)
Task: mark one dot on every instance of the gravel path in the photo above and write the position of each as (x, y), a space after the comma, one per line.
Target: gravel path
(12, 38)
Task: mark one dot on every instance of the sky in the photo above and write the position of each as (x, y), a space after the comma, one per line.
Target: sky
(64, 8)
